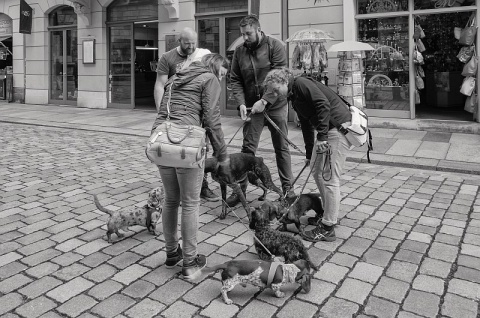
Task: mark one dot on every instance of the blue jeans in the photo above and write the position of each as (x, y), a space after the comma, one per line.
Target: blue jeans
(330, 190)
(181, 184)
(252, 131)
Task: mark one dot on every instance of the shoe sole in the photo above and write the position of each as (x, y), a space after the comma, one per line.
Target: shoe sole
(196, 274)
(210, 199)
(323, 239)
(173, 266)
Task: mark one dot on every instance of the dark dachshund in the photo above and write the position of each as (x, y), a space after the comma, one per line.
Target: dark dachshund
(278, 243)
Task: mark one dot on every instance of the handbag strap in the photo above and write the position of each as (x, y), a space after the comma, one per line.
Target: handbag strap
(168, 101)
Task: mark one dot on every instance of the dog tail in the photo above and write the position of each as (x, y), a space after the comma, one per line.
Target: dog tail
(214, 268)
(100, 207)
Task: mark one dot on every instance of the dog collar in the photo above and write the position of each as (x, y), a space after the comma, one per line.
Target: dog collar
(271, 272)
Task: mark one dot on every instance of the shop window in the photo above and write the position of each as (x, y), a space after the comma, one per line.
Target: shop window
(436, 4)
(386, 68)
(216, 6)
(132, 10)
(62, 16)
(381, 6)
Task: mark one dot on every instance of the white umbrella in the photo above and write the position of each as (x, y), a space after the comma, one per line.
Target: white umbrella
(310, 35)
(349, 46)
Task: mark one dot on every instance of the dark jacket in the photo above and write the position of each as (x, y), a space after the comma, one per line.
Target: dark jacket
(194, 101)
(316, 105)
(268, 54)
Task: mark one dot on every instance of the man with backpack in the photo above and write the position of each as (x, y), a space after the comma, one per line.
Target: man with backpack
(250, 64)
(323, 112)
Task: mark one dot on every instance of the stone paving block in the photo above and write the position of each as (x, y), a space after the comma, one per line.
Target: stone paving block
(105, 289)
(91, 247)
(39, 287)
(203, 293)
(130, 274)
(145, 308)
(377, 257)
(391, 289)
(42, 269)
(420, 237)
(257, 309)
(355, 246)
(218, 309)
(354, 290)
(95, 259)
(9, 302)
(124, 260)
(402, 270)
(171, 291)
(77, 305)
(148, 248)
(472, 250)
(385, 243)
(40, 257)
(338, 308)
(343, 259)
(443, 252)
(69, 245)
(14, 282)
(434, 267)
(100, 273)
(366, 272)
(67, 259)
(429, 284)
(35, 307)
(296, 308)
(331, 273)
(113, 306)
(464, 288)
(422, 303)
(469, 274)
(180, 309)
(378, 307)
(70, 289)
(456, 306)
(9, 258)
(408, 256)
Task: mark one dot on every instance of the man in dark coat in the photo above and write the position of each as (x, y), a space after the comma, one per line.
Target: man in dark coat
(250, 64)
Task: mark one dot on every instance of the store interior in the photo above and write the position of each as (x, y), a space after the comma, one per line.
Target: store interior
(146, 57)
(5, 65)
(441, 97)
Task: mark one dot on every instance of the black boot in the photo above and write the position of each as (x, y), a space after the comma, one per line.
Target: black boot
(233, 199)
(206, 193)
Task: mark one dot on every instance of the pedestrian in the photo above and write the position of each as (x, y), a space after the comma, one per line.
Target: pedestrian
(317, 107)
(250, 64)
(193, 94)
(169, 64)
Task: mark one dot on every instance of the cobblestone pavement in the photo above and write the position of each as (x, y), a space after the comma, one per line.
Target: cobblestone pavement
(408, 243)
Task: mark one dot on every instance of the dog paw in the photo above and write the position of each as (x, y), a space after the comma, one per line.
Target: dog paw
(228, 301)
(262, 198)
(279, 294)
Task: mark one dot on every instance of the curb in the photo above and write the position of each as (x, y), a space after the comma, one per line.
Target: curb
(358, 157)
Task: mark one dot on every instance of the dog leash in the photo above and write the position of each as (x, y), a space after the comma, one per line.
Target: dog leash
(282, 134)
(243, 125)
(254, 236)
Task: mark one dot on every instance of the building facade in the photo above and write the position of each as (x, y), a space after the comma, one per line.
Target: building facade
(103, 53)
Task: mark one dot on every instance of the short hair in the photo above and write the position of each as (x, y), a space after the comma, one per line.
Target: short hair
(278, 76)
(214, 62)
(251, 20)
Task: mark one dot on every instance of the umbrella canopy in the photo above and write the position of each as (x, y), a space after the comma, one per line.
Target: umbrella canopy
(349, 46)
(239, 41)
(310, 35)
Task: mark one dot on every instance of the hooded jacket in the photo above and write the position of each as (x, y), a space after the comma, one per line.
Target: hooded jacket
(316, 104)
(268, 54)
(194, 93)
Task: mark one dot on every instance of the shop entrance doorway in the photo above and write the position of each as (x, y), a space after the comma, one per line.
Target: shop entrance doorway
(441, 97)
(146, 57)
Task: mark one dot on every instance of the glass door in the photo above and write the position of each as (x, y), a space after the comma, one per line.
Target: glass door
(218, 34)
(121, 68)
(63, 67)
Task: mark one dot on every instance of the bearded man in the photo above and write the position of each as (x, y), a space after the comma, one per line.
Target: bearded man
(250, 64)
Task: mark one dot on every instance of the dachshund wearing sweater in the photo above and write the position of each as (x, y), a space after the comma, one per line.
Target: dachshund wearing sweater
(262, 274)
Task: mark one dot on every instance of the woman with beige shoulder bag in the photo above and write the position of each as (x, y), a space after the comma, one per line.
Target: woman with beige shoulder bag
(190, 100)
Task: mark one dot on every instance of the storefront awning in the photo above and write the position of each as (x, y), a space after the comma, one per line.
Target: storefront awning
(6, 27)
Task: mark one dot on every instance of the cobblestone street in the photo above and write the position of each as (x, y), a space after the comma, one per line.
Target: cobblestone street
(408, 240)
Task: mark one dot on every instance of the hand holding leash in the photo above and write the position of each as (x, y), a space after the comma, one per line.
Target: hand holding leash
(243, 113)
(322, 146)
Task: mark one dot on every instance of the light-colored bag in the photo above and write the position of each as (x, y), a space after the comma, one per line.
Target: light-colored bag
(417, 57)
(467, 36)
(468, 86)
(470, 68)
(177, 145)
(471, 103)
(420, 46)
(417, 97)
(457, 31)
(466, 53)
(420, 71)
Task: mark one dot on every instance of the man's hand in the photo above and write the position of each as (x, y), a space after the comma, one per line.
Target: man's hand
(259, 106)
(322, 146)
(243, 112)
(307, 162)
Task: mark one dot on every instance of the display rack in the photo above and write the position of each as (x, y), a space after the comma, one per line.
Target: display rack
(351, 78)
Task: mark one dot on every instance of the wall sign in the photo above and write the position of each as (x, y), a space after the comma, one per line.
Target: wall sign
(6, 27)
(88, 51)
(170, 42)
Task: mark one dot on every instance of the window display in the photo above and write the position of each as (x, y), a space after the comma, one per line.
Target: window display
(436, 4)
(379, 6)
(386, 68)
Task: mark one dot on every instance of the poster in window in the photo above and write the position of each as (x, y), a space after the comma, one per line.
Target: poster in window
(170, 42)
(88, 51)
(442, 81)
